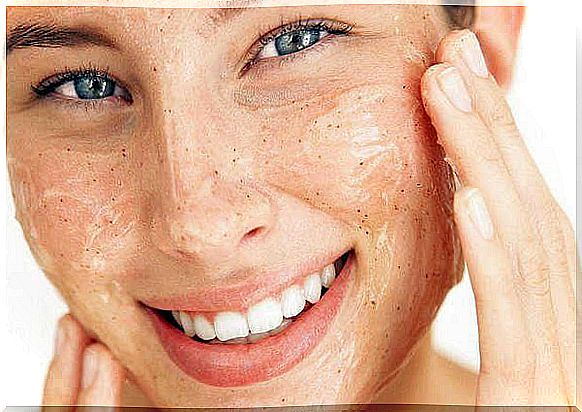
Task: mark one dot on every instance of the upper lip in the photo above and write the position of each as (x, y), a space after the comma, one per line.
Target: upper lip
(239, 297)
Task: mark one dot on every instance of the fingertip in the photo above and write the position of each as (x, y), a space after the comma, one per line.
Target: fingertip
(450, 45)
(429, 81)
(102, 377)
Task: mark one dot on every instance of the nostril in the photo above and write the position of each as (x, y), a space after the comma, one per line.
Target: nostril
(252, 234)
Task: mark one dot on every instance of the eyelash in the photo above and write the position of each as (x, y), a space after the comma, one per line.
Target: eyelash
(47, 87)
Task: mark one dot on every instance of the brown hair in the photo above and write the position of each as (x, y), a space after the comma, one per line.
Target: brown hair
(462, 15)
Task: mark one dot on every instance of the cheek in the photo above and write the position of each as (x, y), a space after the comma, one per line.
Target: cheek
(364, 156)
(77, 209)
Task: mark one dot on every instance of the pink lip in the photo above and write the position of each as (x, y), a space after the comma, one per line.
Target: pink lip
(245, 364)
(239, 297)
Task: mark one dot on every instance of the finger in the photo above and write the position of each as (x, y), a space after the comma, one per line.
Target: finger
(63, 376)
(102, 378)
(462, 50)
(503, 338)
(469, 143)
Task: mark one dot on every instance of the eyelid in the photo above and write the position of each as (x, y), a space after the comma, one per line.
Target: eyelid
(328, 25)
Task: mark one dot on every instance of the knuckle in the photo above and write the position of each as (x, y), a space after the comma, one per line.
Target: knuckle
(500, 116)
(533, 271)
(512, 366)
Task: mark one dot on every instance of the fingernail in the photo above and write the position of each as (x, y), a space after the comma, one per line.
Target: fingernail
(473, 55)
(453, 86)
(61, 339)
(90, 367)
(478, 214)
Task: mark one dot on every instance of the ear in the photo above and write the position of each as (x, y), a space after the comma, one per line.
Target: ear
(498, 29)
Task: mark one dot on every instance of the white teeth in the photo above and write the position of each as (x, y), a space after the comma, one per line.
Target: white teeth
(187, 324)
(203, 328)
(292, 301)
(264, 316)
(176, 315)
(312, 288)
(229, 325)
(328, 275)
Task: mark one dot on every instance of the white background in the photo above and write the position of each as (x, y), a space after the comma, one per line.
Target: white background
(544, 102)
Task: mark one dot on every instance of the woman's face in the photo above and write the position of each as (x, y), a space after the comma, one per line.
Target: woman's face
(209, 161)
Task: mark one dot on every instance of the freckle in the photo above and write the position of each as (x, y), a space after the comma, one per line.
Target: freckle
(111, 221)
(361, 163)
(299, 140)
(216, 172)
(155, 69)
(401, 190)
(68, 149)
(398, 307)
(61, 200)
(113, 199)
(338, 126)
(112, 169)
(358, 210)
(234, 149)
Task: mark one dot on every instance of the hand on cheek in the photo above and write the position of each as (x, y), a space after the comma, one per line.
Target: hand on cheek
(81, 372)
(516, 240)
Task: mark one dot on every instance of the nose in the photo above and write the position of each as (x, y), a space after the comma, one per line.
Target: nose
(210, 219)
(203, 205)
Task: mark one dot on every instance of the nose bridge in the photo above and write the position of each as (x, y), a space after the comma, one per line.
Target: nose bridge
(200, 211)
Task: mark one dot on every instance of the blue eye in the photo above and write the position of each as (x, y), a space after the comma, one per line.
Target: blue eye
(88, 88)
(298, 40)
(292, 42)
(299, 36)
(82, 85)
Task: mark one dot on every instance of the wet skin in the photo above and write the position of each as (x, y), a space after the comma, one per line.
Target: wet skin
(329, 149)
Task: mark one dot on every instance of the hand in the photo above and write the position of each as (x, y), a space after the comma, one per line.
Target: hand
(81, 372)
(518, 244)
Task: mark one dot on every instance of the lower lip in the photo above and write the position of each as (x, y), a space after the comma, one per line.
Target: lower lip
(244, 364)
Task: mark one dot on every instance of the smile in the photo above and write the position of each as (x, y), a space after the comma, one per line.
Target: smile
(235, 348)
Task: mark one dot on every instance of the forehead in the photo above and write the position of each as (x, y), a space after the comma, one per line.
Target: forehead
(207, 12)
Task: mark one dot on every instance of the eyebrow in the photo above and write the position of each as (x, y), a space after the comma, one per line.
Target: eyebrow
(52, 36)
(48, 35)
